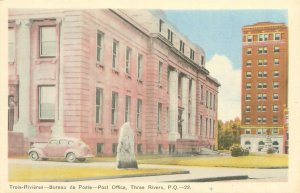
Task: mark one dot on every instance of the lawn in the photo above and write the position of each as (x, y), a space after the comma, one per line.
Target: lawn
(266, 161)
(25, 173)
(252, 161)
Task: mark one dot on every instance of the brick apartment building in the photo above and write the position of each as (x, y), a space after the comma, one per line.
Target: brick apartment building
(83, 73)
(264, 85)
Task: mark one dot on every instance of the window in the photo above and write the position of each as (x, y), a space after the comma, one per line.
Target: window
(262, 50)
(276, 73)
(139, 114)
(259, 131)
(99, 104)
(128, 60)
(261, 108)
(275, 96)
(248, 85)
(206, 126)
(114, 148)
(11, 45)
(115, 53)
(181, 46)
(276, 61)
(262, 85)
(248, 62)
(99, 46)
(114, 107)
(261, 145)
(47, 96)
(160, 72)
(262, 37)
(275, 85)
(160, 149)
(159, 108)
(261, 62)
(247, 120)
(248, 131)
(201, 126)
(214, 106)
(259, 120)
(276, 49)
(201, 92)
(248, 74)
(277, 36)
(275, 108)
(264, 119)
(210, 100)
(202, 60)
(170, 35)
(275, 131)
(140, 67)
(248, 109)
(275, 119)
(207, 99)
(192, 54)
(100, 148)
(160, 25)
(262, 74)
(249, 51)
(48, 41)
(127, 108)
(248, 97)
(249, 38)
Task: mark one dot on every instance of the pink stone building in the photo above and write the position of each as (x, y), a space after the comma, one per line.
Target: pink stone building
(83, 73)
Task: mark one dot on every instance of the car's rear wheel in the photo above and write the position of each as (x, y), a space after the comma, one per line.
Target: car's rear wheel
(34, 156)
(71, 157)
(81, 159)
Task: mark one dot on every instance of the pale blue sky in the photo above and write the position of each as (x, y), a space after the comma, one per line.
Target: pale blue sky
(219, 32)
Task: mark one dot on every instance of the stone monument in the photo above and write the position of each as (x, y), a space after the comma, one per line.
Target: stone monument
(125, 151)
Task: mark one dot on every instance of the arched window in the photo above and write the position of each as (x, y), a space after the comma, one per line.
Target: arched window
(261, 143)
(275, 143)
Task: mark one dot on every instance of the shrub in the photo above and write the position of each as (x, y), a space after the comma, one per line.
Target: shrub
(236, 151)
(246, 152)
(270, 151)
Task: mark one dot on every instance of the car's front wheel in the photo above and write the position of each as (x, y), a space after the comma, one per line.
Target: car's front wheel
(71, 157)
(34, 156)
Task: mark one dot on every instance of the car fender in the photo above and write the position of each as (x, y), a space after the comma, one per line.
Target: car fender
(39, 151)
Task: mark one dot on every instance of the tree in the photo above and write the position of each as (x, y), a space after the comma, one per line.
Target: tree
(228, 133)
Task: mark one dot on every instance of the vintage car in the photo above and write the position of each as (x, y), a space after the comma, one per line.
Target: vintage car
(68, 148)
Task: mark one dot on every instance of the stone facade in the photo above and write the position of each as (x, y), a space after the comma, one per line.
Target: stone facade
(83, 73)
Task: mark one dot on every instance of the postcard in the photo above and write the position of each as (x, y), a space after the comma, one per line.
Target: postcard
(196, 96)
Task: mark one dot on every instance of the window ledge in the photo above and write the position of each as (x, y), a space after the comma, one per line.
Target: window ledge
(11, 62)
(115, 71)
(99, 65)
(127, 75)
(46, 60)
(139, 81)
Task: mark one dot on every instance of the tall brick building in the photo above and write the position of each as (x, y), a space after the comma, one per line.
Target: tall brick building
(264, 85)
(83, 73)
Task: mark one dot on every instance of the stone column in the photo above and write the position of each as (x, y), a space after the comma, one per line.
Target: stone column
(58, 127)
(173, 106)
(24, 124)
(185, 104)
(193, 110)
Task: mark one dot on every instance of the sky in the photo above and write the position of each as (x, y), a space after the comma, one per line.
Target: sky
(218, 32)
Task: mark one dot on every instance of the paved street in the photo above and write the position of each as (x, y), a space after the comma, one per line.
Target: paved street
(274, 175)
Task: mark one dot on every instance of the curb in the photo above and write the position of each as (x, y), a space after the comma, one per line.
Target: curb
(118, 176)
(281, 167)
(213, 179)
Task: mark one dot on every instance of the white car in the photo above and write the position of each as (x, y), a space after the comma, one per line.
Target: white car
(69, 148)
